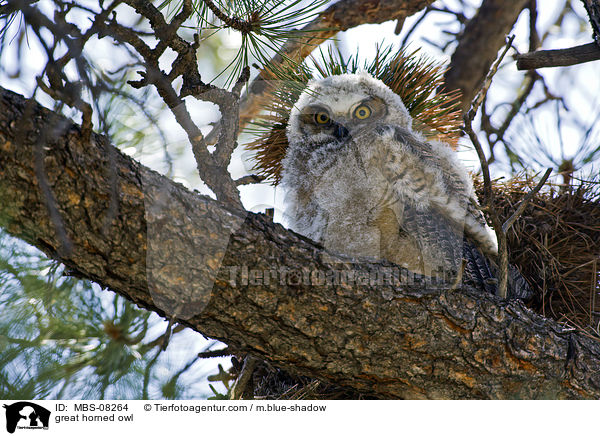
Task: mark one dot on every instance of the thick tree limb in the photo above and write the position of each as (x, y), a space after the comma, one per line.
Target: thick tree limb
(558, 58)
(342, 15)
(478, 45)
(392, 340)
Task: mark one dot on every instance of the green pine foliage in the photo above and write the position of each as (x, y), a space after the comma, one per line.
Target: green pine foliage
(264, 26)
(61, 337)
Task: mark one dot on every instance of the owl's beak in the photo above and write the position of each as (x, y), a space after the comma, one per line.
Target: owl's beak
(339, 131)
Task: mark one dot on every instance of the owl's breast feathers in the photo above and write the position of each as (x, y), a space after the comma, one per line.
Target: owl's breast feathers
(429, 177)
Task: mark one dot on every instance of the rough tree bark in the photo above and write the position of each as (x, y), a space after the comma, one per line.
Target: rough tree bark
(166, 246)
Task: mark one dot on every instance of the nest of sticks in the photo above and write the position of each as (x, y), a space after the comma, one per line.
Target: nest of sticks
(555, 244)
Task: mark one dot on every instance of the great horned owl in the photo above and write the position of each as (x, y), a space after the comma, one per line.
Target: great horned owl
(362, 182)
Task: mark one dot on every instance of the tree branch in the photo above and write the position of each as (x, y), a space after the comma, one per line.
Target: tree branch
(558, 58)
(263, 289)
(487, 182)
(523, 204)
(478, 45)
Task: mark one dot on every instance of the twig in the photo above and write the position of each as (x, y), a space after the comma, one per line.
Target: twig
(248, 180)
(167, 334)
(525, 90)
(558, 58)
(399, 25)
(245, 376)
(470, 115)
(414, 26)
(509, 222)
(488, 80)
(159, 341)
(487, 182)
(234, 22)
(59, 87)
(534, 37)
(215, 353)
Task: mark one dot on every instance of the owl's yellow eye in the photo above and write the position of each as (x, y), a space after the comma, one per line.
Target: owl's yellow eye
(362, 112)
(322, 118)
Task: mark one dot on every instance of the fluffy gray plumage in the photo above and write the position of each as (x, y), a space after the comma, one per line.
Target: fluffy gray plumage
(363, 183)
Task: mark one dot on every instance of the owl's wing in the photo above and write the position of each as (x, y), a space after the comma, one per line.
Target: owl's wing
(437, 201)
(437, 241)
(430, 175)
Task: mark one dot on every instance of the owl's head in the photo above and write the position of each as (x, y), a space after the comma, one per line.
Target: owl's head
(344, 101)
(342, 106)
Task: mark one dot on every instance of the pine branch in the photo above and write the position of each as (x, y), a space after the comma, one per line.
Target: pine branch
(558, 58)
